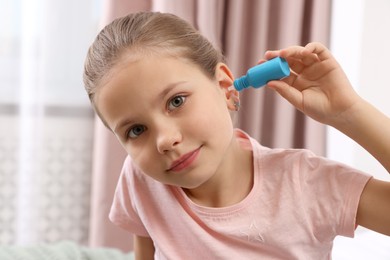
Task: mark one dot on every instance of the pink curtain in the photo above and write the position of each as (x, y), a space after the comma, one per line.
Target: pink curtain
(244, 29)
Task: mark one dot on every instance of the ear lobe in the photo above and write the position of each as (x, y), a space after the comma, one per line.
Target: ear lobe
(233, 101)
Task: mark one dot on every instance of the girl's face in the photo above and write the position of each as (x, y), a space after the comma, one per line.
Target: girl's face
(171, 118)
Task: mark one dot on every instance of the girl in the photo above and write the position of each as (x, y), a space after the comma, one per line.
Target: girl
(193, 187)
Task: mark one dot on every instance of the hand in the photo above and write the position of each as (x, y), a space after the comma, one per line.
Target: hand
(317, 85)
(319, 88)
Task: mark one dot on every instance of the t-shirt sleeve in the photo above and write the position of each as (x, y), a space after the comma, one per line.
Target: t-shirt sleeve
(123, 210)
(331, 193)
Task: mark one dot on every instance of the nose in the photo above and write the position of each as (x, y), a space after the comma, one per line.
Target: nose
(168, 136)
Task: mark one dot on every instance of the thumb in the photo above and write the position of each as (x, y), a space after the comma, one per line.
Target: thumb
(289, 93)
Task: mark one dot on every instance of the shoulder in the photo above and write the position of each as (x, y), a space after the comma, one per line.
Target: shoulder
(135, 204)
(303, 164)
(136, 186)
(278, 158)
(261, 151)
(132, 174)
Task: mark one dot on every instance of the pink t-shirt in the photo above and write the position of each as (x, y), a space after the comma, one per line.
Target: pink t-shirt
(298, 204)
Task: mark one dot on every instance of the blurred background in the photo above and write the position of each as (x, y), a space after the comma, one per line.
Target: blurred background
(46, 124)
(59, 165)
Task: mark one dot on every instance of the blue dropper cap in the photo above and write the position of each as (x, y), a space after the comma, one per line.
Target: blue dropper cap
(258, 76)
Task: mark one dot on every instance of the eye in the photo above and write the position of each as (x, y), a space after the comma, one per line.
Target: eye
(135, 131)
(176, 102)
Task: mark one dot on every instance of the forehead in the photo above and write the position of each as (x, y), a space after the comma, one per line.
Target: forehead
(147, 70)
(145, 61)
(134, 83)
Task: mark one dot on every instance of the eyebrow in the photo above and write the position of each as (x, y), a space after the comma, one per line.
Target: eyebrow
(121, 124)
(159, 97)
(168, 88)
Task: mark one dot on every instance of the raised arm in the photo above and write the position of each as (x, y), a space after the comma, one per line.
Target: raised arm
(319, 88)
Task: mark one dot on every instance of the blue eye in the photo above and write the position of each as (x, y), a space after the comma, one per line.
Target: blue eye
(135, 131)
(176, 102)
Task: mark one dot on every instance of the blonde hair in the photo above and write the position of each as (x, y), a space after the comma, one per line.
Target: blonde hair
(147, 33)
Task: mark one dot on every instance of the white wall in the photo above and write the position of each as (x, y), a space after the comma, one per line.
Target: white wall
(360, 40)
(375, 72)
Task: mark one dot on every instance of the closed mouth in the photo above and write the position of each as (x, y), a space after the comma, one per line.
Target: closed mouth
(184, 161)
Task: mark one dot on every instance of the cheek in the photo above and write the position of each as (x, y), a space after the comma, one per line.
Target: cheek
(142, 157)
(211, 114)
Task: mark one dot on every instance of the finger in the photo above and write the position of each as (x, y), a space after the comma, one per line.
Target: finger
(295, 65)
(291, 94)
(271, 54)
(293, 51)
(310, 51)
(309, 59)
(293, 81)
(319, 49)
(297, 82)
(298, 57)
(261, 61)
(306, 57)
(289, 53)
(319, 69)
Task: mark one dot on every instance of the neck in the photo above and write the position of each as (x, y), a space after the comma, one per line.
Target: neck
(230, 184)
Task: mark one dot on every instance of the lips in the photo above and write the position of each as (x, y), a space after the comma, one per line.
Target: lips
(184, 161)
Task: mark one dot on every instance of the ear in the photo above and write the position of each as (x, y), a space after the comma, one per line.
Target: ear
(225, 80)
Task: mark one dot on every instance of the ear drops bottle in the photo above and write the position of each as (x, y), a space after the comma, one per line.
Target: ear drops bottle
(258, 76)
